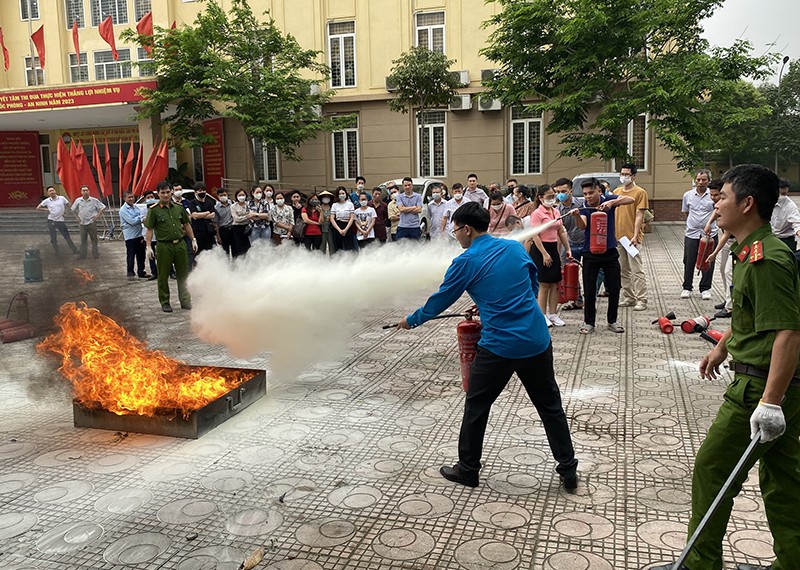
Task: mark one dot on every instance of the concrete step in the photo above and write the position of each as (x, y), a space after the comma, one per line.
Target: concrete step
(30, 221)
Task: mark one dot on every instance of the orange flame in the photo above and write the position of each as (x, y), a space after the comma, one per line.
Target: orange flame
(107, 366)
(83, 274)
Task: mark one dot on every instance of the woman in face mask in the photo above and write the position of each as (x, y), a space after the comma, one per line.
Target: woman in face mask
(365, 218)
(545, 252)
(523, 205)
(241, 220)
(327, 245)
(311, 214)
(282, 219)
(499, 211)
(342, 221)
(393, 212)
(259, 215)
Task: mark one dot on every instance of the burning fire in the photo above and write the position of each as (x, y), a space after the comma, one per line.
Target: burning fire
(109, 367)
(83, 274)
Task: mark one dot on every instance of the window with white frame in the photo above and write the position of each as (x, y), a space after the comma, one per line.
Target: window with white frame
(197, 159)
(266, 161)
(140, 8)
(345, 152)
(430, 30)
(526, 141)
(29, 7)
(432, 144)
(102, 9)
(342, 44)
(146, 65)
(44, 150)
(74, 10)
(79, 70)
(34, 74)
(106, 68)
(634, 136)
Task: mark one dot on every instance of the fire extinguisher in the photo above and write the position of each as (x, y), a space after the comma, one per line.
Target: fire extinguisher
(665, 322)
(468, 332)
(697, 324)
(704, 249)
(598, 232)
(568, 286)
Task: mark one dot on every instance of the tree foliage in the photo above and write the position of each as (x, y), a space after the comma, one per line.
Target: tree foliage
(423, 79)
(783, 125)
(594, 66)
(236, 66)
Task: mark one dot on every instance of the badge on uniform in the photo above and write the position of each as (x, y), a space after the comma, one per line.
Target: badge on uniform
(757, 253)
(743, 254)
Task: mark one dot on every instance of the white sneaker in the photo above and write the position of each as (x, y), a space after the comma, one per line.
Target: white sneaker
(640, 307)
(556, 320)
(547, 321)
(705, 295)
(685, 294)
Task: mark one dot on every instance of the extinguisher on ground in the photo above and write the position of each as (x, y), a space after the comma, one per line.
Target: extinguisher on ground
(598, 232)
(704, 249)
(468, 332)
(568, 286)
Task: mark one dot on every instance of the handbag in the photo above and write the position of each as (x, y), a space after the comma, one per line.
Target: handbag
(248, 230)
(298, 230)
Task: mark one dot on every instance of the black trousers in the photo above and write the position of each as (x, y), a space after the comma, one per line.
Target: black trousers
(312, 243)
(205, 241)
(690, 247)
(134, 250)
(226, 237)
(241, 242)
(593, 263)
(488, 377)
(61, 227)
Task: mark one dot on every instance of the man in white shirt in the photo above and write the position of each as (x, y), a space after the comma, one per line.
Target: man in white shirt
(88, 209)
(450, 207)
(785, 219)
(436, 208)
(698, 207)
(473, 193)
(55, 206)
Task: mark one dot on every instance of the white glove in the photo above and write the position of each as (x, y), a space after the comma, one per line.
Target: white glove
(769, 419)
(194, 246)
(150, 253)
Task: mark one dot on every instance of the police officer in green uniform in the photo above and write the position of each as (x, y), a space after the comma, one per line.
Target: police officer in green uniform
(764, 346)
(170, 221)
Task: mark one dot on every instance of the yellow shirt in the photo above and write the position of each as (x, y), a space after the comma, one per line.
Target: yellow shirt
(625, 216)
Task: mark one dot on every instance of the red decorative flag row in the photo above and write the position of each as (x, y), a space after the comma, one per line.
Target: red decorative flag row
(5, 51)
(38, 40)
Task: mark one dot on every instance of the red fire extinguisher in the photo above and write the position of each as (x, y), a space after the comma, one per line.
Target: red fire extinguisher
(468, 332)
(568, 286)
(704, 249)
(598, 232)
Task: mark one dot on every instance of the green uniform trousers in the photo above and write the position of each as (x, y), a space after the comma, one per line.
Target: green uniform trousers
(327, 246)
(168, 253)
(779, 475)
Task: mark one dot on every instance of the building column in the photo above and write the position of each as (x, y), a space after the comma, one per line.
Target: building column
(149, 132)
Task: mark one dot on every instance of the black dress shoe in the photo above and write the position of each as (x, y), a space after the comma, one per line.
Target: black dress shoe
(570, 483)
(455, 475)
(152, 277)
(166, 308)
(723, 314)
(144, 276)
(720, 305)
(188, 307)
(752, 567)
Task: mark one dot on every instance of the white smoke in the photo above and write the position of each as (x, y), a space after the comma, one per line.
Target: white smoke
(303, 306)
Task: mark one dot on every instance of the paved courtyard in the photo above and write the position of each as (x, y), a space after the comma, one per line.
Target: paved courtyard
(337, 468)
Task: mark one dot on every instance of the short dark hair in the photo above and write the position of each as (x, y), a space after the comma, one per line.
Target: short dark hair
(456, 186)
(364, 180)
(511, 221)
(222, 191)
(473, 175)
(591, 182)
(562, 181)
(409, 179)
(756, 181)
(630, 166)
(715, 184)
(48, 188)
(340, 188)
(201, 186)
(153, 194)
(163, 185)
(126, 194)
(784, 183)
(496, 195)
(524, 190)
(84, 186)
(472, 214)
(364, 193)
(514, 180)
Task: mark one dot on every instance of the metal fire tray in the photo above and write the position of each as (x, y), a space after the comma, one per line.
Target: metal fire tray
(172, 423)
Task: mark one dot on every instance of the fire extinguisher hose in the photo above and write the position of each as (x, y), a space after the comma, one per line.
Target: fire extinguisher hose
(446, 316)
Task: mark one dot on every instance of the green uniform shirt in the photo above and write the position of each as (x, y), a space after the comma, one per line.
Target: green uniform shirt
(167, 221)
(766, 296)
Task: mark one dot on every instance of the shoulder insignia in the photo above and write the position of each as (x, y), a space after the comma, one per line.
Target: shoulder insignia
(743, 254)
(151, 206)
(757, 253)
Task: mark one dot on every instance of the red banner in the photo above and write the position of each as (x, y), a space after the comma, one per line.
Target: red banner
(214, 155)
(72, 96)
(20, 169)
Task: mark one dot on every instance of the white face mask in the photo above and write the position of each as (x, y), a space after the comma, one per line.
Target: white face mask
(360, 186)
(625, 180)
(326, 200)
(550, 202)
(178, 193)
(363, 202)
(394, 196)
(241, 198)
(223, 199)
(280, 201)
(342, 197)
(458, 196)
(269, 193)
(497, 207)
(257, 195)
(437, 197)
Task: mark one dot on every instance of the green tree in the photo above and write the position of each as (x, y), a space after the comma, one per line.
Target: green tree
(783, 126)
(236, 66)
(595, 66)
(424, 81)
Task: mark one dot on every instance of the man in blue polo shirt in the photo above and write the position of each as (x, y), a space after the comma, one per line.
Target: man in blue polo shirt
(501, 279)
(410, 205)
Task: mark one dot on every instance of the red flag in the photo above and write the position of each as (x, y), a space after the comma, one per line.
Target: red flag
(161, 165)
(98, 166)
(144, 178)
(38, 41)
(137, 172)
(65, 168)
(75, 41)
(109, 187)
(174, 25)
(145, 28)
(82, 168)
(125, 170)
(106, 29)
(5, 51)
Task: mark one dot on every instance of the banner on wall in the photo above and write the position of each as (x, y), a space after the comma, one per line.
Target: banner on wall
(73, 96)
(214, 155)
(20, 169)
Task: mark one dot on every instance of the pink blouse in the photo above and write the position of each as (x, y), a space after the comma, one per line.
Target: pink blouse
(497, 220)
(541, 215)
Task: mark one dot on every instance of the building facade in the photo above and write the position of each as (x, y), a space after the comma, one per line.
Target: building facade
(78, 96)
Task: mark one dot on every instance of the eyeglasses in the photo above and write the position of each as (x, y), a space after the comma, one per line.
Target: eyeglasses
(456, 230)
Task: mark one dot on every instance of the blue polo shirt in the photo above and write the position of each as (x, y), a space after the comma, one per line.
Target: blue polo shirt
(502, 281)
(611, 236)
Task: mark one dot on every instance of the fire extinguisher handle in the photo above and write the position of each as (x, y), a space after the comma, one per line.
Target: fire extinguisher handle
(384, 327)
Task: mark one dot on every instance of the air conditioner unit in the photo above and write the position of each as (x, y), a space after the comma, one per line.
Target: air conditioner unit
(461, 103)
(391, 86)
(462, 77)
(317, 109)
(489, 104)
(314, 89)
(488, 74)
